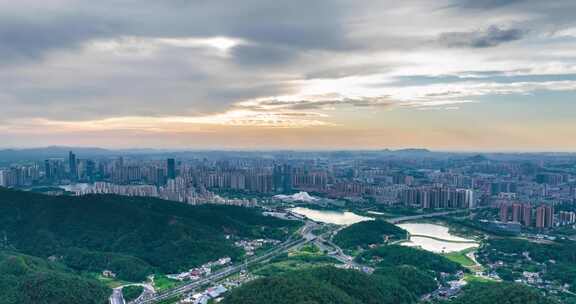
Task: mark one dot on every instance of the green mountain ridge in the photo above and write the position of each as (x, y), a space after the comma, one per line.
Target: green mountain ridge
(132, 236)
(322, 285)
(26, 279)
(367, 233)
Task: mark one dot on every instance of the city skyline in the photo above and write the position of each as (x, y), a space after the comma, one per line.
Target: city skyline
(461, 75)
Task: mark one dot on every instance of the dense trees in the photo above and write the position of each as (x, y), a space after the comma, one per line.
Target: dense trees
(124, 266)
(132, 292)
(367, 233)
(26, 279)
(501, 293)
(559, 258)
(395, 255)
(389, 284)
(325, 285)
(417, 281)
(131, 236)
(540, 252)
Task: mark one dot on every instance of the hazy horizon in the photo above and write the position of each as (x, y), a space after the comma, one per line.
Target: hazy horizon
(265, 149)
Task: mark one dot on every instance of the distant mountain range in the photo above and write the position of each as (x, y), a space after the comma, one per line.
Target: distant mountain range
(41, 153)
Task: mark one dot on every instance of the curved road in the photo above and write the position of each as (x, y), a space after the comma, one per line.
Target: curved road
(306, 237)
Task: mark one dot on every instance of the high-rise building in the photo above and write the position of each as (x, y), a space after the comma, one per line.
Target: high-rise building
(438, 197)
(527, 215)
(504, 213)
(544, 216)
(160, 176)
(540, 217)
(90, 170)
(502, 187)
(171, 168)
(567, 218)
(72, 166)
(287, 182)
(516, 213)
(47, 170)
(3, 178)
(549, 216)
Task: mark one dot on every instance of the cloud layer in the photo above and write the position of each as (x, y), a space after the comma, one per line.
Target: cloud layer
(179, 66)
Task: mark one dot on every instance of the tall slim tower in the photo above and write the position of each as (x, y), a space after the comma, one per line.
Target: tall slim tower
(73, 165)
(171, 168)
(48, 170)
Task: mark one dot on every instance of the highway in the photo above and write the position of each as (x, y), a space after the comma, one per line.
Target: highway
(306, 236)
(284, 247)
(116, 297)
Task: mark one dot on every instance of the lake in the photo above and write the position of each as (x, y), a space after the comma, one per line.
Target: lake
(331, 217)
(443, 241)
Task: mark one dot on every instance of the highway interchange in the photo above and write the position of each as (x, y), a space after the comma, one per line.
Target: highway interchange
(306, 236)
(290, 244)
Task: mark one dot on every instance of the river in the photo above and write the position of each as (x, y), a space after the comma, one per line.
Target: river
(431, 237)
(436, 238)
(331, 217)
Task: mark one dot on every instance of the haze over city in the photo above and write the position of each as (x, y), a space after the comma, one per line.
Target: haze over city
(487, 75)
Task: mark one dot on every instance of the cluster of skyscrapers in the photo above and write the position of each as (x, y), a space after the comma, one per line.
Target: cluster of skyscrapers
(532, 191)
(438, 198)
(541, 216)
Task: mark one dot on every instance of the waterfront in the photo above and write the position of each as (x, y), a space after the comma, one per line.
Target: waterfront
(331, 217)
(435, 238)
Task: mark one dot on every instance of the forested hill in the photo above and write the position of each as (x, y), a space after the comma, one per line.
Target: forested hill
(26, 279)
(324, 286)
(502, 293)
(130, 236)
(368, 233)
(394, 285)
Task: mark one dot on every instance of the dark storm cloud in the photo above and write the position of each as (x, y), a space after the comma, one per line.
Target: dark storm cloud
(275, 33)
(493, 36)
(297, 23)
(30, 38)
(283, 44)
(276, 27)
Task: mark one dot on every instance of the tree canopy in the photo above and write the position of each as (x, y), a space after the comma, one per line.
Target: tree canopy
(132, 236)
(26, 279)
(367, 233)
(325, 285)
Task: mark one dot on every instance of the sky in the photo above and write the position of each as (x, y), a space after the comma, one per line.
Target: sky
(458, 75)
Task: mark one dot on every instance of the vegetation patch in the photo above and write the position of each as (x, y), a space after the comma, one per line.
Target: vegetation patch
(132, 292)
(326, 285)
(26, 279)
(368, 233)
(130, 236)
(490, 293)
(461, 258)
(299, 260)
(397, 255)
(162, 283)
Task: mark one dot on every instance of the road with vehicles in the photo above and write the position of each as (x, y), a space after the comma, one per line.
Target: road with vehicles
(116, 297)
(288, 245)
(306, 236)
